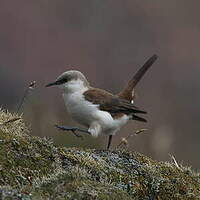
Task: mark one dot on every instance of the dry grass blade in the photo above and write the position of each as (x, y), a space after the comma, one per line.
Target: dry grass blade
(174, 161)
(137, 132)
(11, 120)
(124, 140)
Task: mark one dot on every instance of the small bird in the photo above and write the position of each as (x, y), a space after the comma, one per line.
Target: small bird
(98, 110)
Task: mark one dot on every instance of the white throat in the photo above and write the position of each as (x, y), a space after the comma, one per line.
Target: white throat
(74, 86)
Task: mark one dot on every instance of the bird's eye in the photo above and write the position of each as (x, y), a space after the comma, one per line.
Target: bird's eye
(63, 80)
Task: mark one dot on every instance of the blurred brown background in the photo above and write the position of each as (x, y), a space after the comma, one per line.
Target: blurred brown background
(108, 41)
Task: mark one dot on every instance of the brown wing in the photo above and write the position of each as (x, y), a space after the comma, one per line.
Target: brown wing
(110, 103)
(126, 93)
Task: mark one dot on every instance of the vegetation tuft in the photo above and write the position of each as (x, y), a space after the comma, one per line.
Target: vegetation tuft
(34, 168)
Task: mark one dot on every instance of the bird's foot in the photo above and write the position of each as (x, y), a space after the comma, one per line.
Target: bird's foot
(73, 130)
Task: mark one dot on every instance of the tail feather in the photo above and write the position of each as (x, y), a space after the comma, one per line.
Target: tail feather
(140, 111)
(137, 118)
(127, 92)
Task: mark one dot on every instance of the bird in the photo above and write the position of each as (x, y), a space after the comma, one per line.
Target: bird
(100, 111)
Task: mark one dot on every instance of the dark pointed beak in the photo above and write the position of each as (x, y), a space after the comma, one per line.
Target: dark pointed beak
(51, 84)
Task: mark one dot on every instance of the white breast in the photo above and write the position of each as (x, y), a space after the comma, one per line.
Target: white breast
(80, 110)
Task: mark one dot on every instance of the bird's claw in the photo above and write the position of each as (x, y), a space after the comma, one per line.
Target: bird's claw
(72, 129)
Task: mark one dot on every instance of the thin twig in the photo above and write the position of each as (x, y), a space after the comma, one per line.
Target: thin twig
(30, 87)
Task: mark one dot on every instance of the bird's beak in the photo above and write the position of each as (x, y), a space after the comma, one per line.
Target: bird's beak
(52, 84)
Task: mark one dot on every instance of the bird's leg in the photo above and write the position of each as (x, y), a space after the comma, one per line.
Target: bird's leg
(72, 129)
(109, 141)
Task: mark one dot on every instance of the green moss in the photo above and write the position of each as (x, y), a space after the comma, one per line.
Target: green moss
(34, 168)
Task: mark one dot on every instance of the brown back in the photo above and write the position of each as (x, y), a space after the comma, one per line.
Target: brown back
(109, 102)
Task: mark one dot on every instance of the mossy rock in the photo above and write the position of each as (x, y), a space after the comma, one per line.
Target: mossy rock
(34, 168)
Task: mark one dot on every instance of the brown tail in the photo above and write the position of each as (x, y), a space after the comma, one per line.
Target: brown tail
(127, 92)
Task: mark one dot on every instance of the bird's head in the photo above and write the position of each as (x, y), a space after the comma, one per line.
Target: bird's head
(70, 81)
